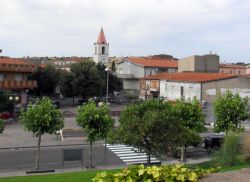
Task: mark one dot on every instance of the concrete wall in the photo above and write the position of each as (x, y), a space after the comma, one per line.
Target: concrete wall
(206, 63)
(127, 67)
(131, 84)
(172, 90)
(239, 85)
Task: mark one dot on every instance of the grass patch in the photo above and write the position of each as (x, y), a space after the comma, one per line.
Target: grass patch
(63, 177)
(210, 164)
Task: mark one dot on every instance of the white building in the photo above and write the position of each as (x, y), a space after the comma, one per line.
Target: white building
(101, 54)
(203, 86)
(131, 69)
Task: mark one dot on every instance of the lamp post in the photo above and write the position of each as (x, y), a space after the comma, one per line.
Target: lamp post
(14, 99)
(107, 92)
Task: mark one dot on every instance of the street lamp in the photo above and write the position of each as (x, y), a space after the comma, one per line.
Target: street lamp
(107, 92)
(14, 99)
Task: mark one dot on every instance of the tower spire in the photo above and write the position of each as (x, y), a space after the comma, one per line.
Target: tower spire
(101, 38)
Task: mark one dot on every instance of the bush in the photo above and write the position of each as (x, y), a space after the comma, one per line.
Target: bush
(1, 126)
(228, 154)
(153, 173)
(246, 147)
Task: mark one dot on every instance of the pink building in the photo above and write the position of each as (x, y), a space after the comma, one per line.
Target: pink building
(233, 69)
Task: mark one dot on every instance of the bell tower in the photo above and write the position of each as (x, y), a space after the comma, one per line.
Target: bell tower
(101, 54)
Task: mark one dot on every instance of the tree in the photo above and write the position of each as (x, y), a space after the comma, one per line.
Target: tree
(115, 84)
(96, 121)
(47, 79)
(230, 110)
(1, 125)
(5, 104)
(191, 117)
(68, 87)
(87, 79)
(41, 118)
(149, 125)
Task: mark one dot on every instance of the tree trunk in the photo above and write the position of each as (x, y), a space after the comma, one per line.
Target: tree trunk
(38, 152)
(90, 155)
(105, 152)
(185, 153)
(182, 153)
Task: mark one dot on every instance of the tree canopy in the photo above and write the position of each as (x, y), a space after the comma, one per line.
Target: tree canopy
(230, 109)
(149, 125)
(47, 79)
(5, 104)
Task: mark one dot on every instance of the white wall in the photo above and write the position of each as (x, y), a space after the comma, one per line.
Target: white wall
(173, 90)
(127, 67)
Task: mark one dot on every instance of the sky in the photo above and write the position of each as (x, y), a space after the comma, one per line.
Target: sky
(132, 27)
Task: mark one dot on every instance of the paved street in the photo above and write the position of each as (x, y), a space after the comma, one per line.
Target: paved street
(51, 158)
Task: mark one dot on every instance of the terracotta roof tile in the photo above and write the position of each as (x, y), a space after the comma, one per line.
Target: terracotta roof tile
(6, 60)
(190, 77)
(154, 62)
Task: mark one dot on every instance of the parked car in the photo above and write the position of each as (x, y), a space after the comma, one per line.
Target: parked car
(212, 142)
(56, 103)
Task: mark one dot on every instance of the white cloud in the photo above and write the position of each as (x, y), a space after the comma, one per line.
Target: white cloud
(142, 27)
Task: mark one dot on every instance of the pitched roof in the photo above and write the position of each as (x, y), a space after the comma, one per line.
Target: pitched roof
(154, 62)
(101, 38)
(232, 66)
(7, 60)
(190, 77)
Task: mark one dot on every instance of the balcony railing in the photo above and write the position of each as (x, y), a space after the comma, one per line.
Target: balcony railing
(28, 84)
(126, 76)
(16, 68)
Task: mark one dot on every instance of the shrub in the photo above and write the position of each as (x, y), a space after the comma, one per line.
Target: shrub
(1, 126)
(228, 154)
(152, 173)
(246, 147)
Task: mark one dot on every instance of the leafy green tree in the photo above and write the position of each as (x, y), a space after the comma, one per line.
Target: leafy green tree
(47, 79)
(1, 125)
(87, 79)
(149, 125)
(96, 121)
(41, 118)
(115, 83)
(5, 104)
(189, 114)
(230, 110)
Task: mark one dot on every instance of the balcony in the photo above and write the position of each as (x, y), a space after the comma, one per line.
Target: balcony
(16, 68)
(28, 84)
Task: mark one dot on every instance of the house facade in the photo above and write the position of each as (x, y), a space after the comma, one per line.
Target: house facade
(14, 79)
(204, 86)
(131, 69)
(233, 69)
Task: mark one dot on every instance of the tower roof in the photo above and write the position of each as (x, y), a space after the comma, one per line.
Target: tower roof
(101, 38)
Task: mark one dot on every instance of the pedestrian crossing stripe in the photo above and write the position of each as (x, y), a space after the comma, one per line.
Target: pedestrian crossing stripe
(130, 155)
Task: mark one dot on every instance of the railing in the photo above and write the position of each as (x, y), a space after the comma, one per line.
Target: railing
(126, 76)
(16, 68)
(18, 84)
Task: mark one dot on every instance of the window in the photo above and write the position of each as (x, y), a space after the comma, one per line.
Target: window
(1, 77)
(18, 77)
(166, 87)
(182, 91)
(103, 50)
(239, 72)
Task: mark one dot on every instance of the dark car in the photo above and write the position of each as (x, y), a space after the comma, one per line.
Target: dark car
(82, 101)
(213, 142)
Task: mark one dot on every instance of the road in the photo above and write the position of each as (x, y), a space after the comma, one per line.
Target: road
(51, 158)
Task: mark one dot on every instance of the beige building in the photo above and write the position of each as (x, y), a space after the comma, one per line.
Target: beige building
(233, 69)
(207, 63)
